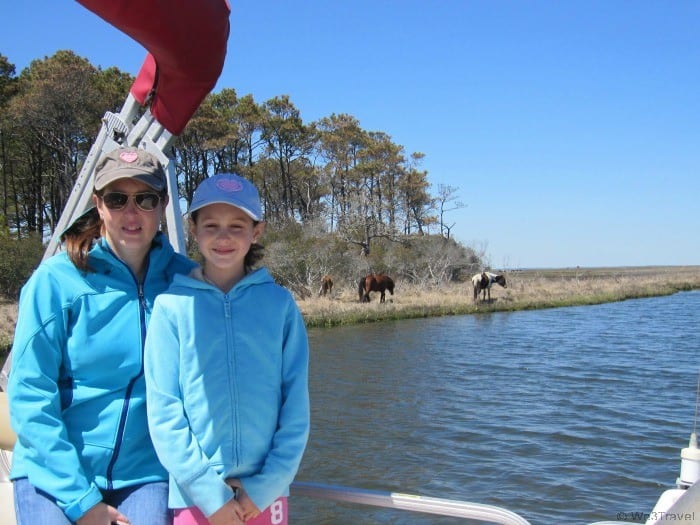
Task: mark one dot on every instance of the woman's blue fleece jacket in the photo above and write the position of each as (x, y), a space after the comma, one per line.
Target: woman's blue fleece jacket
(76, 389)
(227, 380)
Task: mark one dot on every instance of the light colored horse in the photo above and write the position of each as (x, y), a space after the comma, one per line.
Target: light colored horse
(483, 281)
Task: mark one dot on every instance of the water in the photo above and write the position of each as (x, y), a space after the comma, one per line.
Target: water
(564, 416)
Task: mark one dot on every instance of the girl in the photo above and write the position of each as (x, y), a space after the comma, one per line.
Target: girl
(227, 370)
(77, 392)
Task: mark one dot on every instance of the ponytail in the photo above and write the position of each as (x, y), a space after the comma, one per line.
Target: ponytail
(79, 237)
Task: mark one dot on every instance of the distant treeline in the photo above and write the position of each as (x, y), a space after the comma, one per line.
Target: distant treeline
(327, 179)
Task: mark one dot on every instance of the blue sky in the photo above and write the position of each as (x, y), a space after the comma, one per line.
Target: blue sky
(571, 129)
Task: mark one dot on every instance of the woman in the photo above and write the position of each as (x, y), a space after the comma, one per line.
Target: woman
(77, 392)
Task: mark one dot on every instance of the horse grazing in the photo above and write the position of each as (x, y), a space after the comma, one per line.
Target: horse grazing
(483, 281)
(375, 283)
(326, 285)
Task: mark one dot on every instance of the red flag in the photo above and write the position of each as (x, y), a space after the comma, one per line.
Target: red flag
(186, 43)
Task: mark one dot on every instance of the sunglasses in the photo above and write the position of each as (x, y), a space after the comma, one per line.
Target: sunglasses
(145, 201)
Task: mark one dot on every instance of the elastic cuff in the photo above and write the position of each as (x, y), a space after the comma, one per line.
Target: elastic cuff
(77, 509)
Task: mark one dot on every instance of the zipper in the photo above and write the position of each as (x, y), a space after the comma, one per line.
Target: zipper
(132, 382)
(233, 386)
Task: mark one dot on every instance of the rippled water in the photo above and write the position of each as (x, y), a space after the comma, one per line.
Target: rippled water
(568, 415)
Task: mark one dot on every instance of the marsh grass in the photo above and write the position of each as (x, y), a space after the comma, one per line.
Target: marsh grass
(8, 319)
(527, 290)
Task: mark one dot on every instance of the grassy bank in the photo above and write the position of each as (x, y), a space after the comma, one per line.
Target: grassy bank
(527, 290)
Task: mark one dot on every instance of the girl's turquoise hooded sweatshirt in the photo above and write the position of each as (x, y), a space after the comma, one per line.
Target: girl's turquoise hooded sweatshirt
(227, 379)
(76, 388)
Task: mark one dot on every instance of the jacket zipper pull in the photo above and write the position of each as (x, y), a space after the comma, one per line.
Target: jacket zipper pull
(142, 297)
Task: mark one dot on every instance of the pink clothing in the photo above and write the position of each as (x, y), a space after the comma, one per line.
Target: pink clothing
(275, 514)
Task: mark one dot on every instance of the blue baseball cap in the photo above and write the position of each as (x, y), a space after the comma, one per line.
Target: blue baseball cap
(227, 188)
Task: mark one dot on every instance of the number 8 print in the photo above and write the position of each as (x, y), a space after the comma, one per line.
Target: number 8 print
(277, 513)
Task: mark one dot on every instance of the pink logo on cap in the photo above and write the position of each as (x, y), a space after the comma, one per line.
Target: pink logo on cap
(229, 185)
(129, 156)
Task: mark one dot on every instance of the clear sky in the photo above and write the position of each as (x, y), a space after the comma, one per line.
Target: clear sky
(571, 129)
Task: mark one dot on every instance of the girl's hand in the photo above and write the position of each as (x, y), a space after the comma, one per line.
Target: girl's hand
(103, 514)
(250, 510)
(230, 514)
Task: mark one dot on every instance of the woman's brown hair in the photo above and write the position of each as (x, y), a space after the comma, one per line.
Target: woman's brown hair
(80, 235)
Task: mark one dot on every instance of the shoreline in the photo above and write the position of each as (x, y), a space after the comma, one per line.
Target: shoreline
(526, 290)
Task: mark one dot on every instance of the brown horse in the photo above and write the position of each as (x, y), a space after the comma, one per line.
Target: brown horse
(326, 285)
(375, 283)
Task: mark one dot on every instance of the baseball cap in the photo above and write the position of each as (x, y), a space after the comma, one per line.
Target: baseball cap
(228, 188)
(130, 163)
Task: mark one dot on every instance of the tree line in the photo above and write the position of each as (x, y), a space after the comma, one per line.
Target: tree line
(330, 181)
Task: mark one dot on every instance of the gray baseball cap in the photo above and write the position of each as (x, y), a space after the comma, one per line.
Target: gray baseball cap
(130, 163)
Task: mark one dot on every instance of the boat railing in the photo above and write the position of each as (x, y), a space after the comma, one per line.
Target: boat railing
(409, 502)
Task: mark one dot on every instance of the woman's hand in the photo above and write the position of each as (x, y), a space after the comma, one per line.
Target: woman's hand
(103, 514)
(250, 510)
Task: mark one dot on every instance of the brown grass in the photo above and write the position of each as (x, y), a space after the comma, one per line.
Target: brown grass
(527, 289)
(8, 319)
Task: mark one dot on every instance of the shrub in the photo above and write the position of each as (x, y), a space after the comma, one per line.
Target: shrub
(298, 257)
(18, 261)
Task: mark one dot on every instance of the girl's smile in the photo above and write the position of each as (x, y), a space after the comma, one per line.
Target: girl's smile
(224, 234)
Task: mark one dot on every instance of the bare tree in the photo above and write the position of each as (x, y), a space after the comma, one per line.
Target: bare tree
(447, 201)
